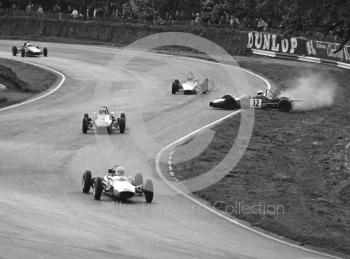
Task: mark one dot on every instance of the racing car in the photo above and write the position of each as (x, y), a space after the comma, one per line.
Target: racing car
(29, 50)
(190, 86)
(118, 186)
(263, 100)
(103, 121)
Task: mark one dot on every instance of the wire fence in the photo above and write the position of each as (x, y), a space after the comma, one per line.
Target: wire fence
(60, 16)
(176, 24)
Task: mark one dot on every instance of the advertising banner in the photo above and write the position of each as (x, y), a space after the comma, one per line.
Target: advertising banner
(325, 50)
(276, 43)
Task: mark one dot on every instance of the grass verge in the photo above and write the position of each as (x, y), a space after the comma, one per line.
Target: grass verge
(294, 179)
(22, 81)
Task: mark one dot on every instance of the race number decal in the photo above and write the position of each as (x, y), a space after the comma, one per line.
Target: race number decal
(255, 103)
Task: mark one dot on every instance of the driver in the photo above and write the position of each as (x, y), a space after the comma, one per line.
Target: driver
(190, 77)
(120, 171)
(260, 95)
(116, 171)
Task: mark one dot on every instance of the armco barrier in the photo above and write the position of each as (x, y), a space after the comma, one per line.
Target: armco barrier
(301, 49)
(301, 58)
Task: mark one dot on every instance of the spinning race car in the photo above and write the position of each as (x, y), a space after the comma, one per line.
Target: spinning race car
(267, 100)
(28, 50)
(115, 184)
(104, 121)
(190, 86)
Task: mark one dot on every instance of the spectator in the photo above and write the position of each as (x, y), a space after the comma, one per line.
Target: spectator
(95, 13)
(193, 17)
(261, 24)
(198, 20)
(88, 13)
(75, 13)
(234, 22)
(29, 9)
(40, 11)
(266, 26)
(182, 15)
(58, 12)
(14, 9)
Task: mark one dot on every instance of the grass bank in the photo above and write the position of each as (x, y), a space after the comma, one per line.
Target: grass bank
(296, 162)
(22, 81)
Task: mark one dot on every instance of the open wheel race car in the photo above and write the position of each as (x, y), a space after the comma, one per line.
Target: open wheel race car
(116, 185)
(190, 86)
(29, 50)
(104, 121)
(267, 100)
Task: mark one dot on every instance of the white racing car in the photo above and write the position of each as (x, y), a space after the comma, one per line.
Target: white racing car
(115, 184)
(29, 50)
(104, 121)
(190, 86)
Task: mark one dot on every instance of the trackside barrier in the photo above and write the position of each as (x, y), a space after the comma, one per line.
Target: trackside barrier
(301, 58)
(301, 49)
(343, 65)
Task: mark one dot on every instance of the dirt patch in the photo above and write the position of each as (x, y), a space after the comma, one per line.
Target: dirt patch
(22, 81)
(294, 170)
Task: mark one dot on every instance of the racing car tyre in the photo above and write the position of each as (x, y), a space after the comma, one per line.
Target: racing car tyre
(86, 181)
(98, 188)
(121, 125)
(23, 53)
(122, 115)
(138, 179)
(174, 88)
(148, 191)
(85, 125)
(285, 105)
(14, 51)
(45, 52)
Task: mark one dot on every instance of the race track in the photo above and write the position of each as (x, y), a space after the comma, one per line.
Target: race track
(43, 154)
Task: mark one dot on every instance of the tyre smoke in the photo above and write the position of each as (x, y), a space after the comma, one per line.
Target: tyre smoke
(312, 92)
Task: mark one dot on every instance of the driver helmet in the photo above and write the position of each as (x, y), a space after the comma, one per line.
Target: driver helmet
(190, 77)
(260, 93)
(120, 171)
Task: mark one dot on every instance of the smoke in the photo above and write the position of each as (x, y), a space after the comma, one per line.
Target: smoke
(312, 92)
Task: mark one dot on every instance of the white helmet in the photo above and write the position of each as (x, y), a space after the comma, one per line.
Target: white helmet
(259, 93)
(120, 171)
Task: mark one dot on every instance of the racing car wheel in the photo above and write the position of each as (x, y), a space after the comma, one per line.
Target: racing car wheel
(45, 52)
(85, 123)
(284, 105)
(148, 191)
(98, 188)
(175, 86)
(14, 51)
(86, 181)
(122, 124)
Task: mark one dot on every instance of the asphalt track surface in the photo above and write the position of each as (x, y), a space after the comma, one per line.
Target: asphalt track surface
(44, 214)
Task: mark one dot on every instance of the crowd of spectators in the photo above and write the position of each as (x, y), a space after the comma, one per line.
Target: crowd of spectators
(261, 15)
